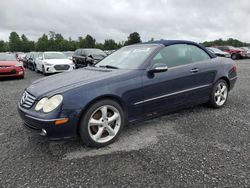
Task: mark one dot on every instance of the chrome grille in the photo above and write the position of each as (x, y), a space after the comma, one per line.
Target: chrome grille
(61, 67)
(27, 100)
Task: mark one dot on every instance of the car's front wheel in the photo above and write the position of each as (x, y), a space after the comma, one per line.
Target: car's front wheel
(101, 123)
(219, 94)
(35, 68)
(234, 56)
(44, 72)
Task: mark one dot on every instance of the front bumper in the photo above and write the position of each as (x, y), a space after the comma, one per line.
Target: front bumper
(53, 131)
(12, 72)
(52, 69)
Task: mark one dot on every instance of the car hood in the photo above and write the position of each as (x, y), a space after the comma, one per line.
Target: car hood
(8, 63)
(58, 61)
(98, 57)
(68, 80)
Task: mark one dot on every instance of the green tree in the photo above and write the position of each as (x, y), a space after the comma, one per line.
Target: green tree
(228, 42)
(42, 43)
(133, 38)
(3, 46)
(109, 44)
(15, 42)
(99, 46)
(31, 46)
(24, 43)
(89, 41)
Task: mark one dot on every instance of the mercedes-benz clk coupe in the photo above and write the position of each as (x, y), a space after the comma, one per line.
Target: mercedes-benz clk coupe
(135, 83)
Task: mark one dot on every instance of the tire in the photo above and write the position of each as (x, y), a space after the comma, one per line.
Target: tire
(234, 56)
(104, 129)
(35, 69)
(44, 73)
(219, 96)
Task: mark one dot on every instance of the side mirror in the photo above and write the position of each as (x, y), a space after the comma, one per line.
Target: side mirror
(89, 58)
(158, 67)
(40, 58)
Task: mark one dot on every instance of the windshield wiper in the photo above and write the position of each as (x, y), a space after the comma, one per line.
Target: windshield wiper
(109, 66)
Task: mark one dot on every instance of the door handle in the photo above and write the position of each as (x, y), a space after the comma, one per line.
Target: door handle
(194, 70)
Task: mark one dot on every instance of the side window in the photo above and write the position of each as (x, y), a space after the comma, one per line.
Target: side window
(40, 56)
(173, 55)
(83, 53)
(196, 54)
(76, 52)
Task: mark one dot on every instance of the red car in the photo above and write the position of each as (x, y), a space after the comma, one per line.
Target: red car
(236, 53)
(10, 67)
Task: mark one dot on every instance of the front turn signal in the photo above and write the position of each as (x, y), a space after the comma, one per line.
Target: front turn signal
(61, 121)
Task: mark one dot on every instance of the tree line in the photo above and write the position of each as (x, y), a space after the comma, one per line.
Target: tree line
(56, 42)
(228, 42)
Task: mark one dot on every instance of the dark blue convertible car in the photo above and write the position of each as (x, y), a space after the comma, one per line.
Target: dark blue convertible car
(135, 83)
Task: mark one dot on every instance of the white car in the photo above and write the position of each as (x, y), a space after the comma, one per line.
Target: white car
(247, 51)
(219, 52)
(53, 62)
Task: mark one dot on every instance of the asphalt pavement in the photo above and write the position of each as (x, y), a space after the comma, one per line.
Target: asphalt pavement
(195, 147)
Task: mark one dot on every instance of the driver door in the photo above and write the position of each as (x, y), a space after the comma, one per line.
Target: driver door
(170, 90)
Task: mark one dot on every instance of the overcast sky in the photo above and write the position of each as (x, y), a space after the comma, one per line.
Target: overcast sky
(197, 20)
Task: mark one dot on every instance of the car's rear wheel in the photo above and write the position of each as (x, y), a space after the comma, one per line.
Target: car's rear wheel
(219, 94)
(101, 123)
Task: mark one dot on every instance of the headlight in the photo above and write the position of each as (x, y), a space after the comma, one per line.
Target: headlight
(49, 105)
(41, 103)
(52, 103)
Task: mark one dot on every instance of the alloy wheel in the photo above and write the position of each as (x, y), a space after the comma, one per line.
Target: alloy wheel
(104, 124)
(221, 93)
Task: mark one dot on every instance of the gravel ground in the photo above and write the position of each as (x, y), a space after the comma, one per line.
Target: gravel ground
(197, 147)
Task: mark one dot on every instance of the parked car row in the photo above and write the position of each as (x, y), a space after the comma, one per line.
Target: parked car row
(231, 52)
(48, 62)
(54, 62)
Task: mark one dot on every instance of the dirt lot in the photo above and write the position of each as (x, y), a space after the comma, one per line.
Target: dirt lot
(197, 147)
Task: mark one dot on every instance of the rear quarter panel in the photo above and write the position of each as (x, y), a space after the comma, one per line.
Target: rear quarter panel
(225, 69)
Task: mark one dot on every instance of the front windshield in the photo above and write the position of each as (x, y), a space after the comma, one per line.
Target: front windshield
(215, 50)
(130, 57)
(69, 54)
(54, 55)
(95, 52)
(36, 55)
(7, 57)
